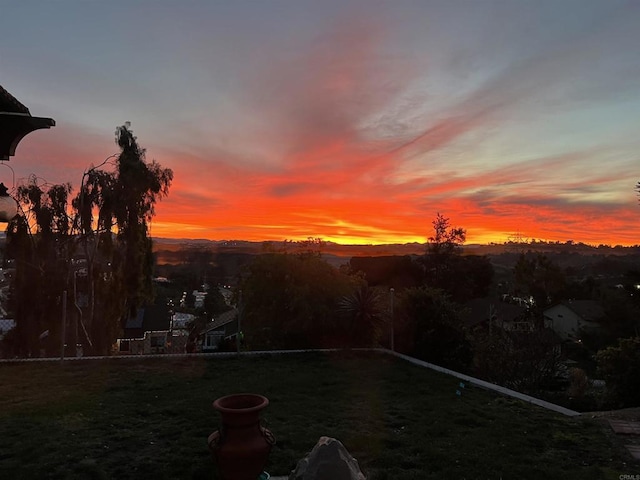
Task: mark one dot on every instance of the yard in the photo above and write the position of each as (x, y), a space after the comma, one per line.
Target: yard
(149, 418)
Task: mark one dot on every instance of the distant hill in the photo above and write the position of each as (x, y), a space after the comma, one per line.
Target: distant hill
(165, 248)
(610, 265)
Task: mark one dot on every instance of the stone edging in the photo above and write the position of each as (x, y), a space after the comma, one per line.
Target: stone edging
(487, 385)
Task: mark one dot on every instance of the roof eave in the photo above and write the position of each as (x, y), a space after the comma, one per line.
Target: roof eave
(15, 126)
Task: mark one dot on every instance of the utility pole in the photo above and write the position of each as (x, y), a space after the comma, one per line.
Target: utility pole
(391, 292)
(64, 325)
(239, 332)
(491, 314)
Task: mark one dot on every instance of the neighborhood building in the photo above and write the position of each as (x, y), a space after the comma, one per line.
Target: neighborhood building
(571, 317)
(224, 327)
(156, 330)
(150, 331)
(6, 324)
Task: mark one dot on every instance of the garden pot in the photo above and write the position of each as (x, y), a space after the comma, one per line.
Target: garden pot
(241, 446)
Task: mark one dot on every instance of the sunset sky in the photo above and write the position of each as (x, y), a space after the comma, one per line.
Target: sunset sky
(352, 121)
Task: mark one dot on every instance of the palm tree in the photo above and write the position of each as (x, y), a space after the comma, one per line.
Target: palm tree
(363, 313)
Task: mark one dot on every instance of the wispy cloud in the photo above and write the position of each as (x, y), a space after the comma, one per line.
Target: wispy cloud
(362, 126)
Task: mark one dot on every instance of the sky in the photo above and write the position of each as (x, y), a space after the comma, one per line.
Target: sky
(353, 121)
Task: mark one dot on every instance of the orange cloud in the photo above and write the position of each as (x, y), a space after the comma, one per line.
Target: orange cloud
(317, 146)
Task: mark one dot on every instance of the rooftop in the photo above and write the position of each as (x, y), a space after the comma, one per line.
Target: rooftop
(15, 123)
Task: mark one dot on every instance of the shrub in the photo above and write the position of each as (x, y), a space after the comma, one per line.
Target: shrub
(620, 367)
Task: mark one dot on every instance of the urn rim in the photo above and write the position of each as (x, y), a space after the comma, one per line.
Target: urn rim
(241, 403)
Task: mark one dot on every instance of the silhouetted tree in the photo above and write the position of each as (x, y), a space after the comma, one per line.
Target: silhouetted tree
(310, 246)
(522, 360)
(364, 314)
(200, 260)
(111, 215)
(620, 367)
(290, 301)
(622, 316)
(397, 272)
(477, 275)
(465, 277)
(445, 244)
(119, 263)
(429, 328)
(41, 243)
(446, 240)
(214, 302)
(540, 278)
(461, 277)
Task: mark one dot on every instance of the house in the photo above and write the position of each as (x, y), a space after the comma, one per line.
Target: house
(150, 331)
(568, 318)
(198, 298)
(6, 324)
(181, 321)
(224, 327)
(152, 342)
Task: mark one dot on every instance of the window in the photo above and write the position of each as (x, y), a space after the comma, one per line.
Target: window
(157, 341)
(124, 345)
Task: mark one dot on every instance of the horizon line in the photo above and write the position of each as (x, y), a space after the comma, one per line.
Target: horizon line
(490, 244)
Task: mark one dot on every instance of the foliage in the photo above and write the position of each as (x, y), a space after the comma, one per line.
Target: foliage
(622, 315)
(469, 276)
(430, 328)
(364, 314)
(199, 260)
(120, 268)
(578, 383)
(111, 269)
(463, 278)
(619, 365)
(443, 246)
(396, 272)
(310, 246)
(524, 361)
(214, 302)
(289, 301)
(41, 244)
(139, 185)
(540, 278)
(446, 240)
(585, 289)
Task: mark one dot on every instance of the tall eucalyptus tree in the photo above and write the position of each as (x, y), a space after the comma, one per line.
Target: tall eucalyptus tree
(114, 209)
(102, 239)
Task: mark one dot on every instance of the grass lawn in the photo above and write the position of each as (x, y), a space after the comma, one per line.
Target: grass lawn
(149, 418)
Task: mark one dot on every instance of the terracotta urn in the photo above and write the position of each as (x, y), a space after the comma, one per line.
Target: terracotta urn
(241, 446)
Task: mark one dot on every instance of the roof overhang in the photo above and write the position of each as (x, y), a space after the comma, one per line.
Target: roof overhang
(15, 126)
